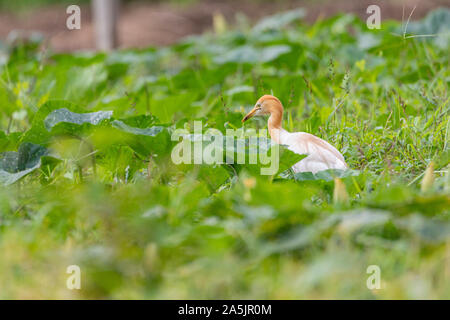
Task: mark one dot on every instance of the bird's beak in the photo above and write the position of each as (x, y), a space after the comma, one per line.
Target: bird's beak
(250, 114)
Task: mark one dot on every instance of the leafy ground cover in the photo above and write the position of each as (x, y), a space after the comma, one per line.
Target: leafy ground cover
(87, 177)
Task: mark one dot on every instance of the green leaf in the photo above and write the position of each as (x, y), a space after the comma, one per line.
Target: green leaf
(301, 236)
(166, 108)
(141, 121)
(150, 132)
(250, 54)
(15, 165)
(38, 133)
(327, 175)
(362, 218)
(62, 118)
(64, 115)
(146, 141)
(280, 20)
(432, 231)
(436, 25)
(10, 141)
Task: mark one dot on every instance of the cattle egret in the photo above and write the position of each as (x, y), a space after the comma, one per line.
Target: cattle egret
(321, 154)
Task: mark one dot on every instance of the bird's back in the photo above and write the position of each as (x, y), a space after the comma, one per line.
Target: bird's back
(321, 154)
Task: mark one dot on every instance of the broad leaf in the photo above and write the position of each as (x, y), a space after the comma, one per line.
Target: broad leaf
(279, 20)
(38, 133)
(64, 115)
(15, 165)
(327, 175)
(250, 54)
(146, 141)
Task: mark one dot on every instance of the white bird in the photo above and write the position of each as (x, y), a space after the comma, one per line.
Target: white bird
(321, 154)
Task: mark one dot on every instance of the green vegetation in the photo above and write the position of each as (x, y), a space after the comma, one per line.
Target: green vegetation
(88, 181)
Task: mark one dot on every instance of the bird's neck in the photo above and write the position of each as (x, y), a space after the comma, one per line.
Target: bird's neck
(274, 124)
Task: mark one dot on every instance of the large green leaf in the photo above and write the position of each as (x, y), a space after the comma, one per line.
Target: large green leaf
(146, 141)
(279, 20)
(62, 122)
(64, 115)
(435, 26)
(327, 175)
(250, 54)
(15, 165)
(430, 230)
(60, 118)
(167, 107)
(38, 132)
(344, 223)
(9, 141)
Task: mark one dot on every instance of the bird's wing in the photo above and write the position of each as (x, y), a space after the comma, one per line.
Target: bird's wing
(321, 154)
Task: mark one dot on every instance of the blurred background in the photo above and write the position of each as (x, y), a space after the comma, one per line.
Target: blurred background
(143, 23)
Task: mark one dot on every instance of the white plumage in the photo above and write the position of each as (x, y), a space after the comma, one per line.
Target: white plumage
(321, 154)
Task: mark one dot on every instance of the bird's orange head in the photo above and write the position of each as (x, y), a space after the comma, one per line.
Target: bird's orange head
(267, 104)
